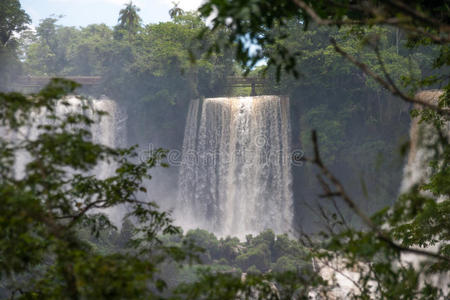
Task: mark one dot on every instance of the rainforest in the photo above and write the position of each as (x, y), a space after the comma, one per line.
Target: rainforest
(241, 150)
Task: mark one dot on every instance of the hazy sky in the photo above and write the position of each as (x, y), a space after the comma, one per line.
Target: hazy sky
(84, 12)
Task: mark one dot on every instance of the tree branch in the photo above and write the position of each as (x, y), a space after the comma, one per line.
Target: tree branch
(316, 18)
(381, 20)
(349, 201)
(388, 83)
(82, 212)
(419, 15)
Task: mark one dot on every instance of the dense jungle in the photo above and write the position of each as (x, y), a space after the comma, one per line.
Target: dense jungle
(319, 134)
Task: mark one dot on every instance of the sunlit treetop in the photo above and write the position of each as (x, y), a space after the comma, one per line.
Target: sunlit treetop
(425, 21)
(12, 19)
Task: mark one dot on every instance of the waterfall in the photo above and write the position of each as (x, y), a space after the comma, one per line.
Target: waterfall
(416, 171)
(109, 130)
(422, 137)
(235, 177)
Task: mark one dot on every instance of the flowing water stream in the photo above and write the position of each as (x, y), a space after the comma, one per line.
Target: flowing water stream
(235, 177)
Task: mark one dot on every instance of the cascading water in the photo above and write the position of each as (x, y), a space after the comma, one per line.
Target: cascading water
(109, 131)
(235, 177)
(423, 136)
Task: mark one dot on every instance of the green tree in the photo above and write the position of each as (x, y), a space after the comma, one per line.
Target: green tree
(13, 19)
(43, 209)
(129, 18)
(258, 256)
(205, 240)
(175, 11)
(50, 53)
(152, 72)
(375, 252)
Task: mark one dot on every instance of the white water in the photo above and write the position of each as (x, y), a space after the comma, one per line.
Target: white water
(235, 176)
(423, 136)
(416, 171)
(109, 130)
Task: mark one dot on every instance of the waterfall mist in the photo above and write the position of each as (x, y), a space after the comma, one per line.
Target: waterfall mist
(235, 177)
(423, 136)
(109, 130)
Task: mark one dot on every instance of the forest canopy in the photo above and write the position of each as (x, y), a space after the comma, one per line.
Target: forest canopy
(351, 69)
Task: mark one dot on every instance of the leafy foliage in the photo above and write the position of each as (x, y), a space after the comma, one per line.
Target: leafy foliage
(43, 208)
(46, 227)
(12, 19)
(129, 18)
(416, 224)
(152, 72)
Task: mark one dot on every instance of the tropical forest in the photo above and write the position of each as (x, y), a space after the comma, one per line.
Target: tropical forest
(225, 149)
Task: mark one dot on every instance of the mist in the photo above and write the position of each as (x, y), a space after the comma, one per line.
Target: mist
(266, 143)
